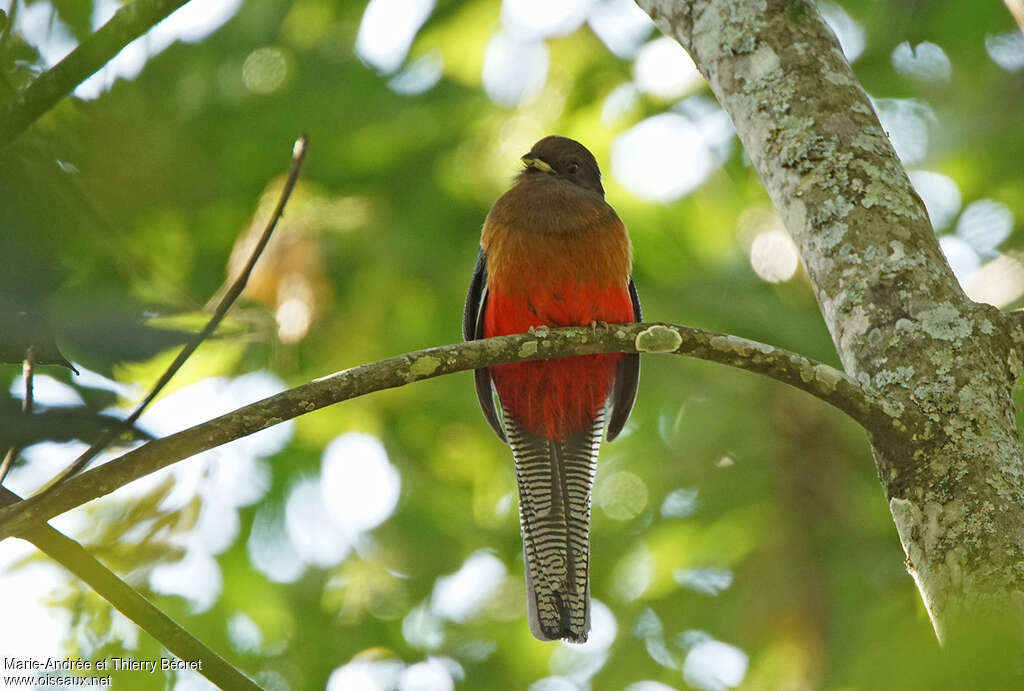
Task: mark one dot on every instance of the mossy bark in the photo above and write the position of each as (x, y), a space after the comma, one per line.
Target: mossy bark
(900, 322)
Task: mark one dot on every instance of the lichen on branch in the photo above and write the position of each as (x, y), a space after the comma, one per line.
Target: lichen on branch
(900, 322)
(818, 379)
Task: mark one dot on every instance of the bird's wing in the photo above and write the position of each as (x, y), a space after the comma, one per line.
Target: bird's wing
(626, 378)
(473, 311)
(473, 328)
(555, 481)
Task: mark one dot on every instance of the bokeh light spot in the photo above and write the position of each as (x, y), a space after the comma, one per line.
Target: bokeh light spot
(43, 461)
(244, 634)
(848, 30)
(984, 225)
(622, 495)
(265, 69)
(708, 581)
(429, 675)
(542, 19)
(515, 69)
(647, 685)
(1006, 50)
(554, 684)
(209, 398)
(940, 194)
(196, 578)
(619, 102)
(679, 503)
(773, 256)
(387, 30)
(360, 486)
(999, 282)
(313, 534)
(712, 123)
(419, 77)
(711, 665)
(648, 624)
(662, 68)
(423, 628)
(907, 121)
(459, 596)
(47, 392)
(662, 158)
(364, 675)
(27, 590)
(296, 301)
(926, 62)
(633, 574)
(41, 27)
(621, 25)
(961, 256)
(294, 317)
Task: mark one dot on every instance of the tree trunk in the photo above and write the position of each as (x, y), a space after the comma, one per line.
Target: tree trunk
(954, 478)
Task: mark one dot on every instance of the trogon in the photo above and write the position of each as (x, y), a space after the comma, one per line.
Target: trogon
(554, 253)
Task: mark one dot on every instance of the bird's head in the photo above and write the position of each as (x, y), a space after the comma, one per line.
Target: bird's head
(565, 159)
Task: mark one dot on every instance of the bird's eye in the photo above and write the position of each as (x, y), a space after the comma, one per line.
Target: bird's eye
(572, 167)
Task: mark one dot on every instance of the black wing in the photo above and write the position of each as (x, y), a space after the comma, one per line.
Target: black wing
(626, 379)
(472, 329)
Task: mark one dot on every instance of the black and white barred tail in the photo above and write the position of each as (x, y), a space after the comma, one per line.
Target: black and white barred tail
(555, 481)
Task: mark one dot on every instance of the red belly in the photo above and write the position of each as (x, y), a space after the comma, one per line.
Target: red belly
(556, 398)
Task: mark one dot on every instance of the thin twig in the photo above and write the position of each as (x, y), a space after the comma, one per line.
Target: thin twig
(128, 23)
(827, 383)
(298, 156)
(28, 367)
(72, 556)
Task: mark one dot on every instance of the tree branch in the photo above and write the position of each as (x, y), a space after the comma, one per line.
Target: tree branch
(816, 378)
(1013, 324)
(130, 22)
(72, 556)
(227, 300)
(900, 321)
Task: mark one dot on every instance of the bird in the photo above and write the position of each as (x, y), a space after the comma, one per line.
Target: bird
(554, 253)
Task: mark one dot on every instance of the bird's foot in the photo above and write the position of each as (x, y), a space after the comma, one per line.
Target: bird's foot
(598, 324)
(541, 331)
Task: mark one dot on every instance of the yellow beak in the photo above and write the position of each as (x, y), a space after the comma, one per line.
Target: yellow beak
(533, 161)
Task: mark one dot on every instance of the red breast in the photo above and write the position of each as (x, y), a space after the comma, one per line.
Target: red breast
(555, 262)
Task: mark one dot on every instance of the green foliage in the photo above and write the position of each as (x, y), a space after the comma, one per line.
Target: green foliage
(121, 209)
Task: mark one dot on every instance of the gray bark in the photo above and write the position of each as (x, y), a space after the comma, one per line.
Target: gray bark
(901, 324)
(828, 384)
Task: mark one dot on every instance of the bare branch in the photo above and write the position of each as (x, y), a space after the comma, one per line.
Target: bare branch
(130, 22)
(298, 157)
(72, 556)
(816, 378)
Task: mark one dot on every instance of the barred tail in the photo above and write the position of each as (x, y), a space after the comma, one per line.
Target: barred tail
(555, 481)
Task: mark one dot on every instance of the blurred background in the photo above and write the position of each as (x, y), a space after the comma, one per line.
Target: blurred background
(740, 536)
